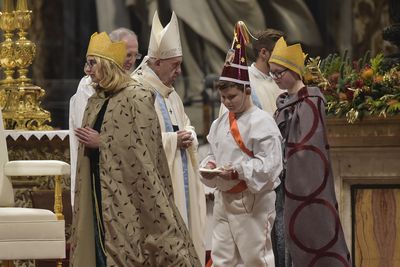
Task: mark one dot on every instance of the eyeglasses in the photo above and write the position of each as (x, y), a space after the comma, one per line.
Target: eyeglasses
(138, 56)
(277, 74)
(90, 63)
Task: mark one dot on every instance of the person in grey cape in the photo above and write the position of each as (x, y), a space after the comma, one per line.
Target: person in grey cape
(313, 231)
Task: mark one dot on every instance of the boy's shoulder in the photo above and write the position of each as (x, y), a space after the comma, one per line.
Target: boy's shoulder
(263, 121)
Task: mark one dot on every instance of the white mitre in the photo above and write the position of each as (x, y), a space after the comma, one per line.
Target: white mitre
(165, 42)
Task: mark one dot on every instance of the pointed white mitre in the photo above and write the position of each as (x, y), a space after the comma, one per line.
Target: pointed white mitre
(165, 42)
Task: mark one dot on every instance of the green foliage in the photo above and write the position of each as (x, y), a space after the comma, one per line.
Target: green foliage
(356, 88)
(376, 63)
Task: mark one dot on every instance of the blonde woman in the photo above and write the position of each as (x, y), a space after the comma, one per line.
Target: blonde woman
(124, 212)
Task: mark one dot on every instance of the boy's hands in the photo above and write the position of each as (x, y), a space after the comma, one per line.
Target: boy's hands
(227, 173)
(209, 175)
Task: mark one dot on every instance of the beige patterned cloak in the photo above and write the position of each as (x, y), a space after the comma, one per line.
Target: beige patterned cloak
(193, 208)
(142, 224)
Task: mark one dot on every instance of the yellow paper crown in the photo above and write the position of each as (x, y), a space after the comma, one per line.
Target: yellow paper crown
(291, 57)
(101, 45)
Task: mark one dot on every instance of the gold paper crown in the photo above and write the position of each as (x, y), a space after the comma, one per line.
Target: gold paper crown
(101, 45)
(291, 57)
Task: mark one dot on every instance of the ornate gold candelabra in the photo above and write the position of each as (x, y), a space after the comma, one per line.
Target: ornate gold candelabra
(7, 48)
(21, 99)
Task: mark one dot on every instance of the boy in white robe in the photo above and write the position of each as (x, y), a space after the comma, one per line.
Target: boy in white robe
(243, 164)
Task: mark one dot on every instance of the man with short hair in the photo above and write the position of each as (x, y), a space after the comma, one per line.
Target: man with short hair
(264, 87)
(159, 71)
(78, 101)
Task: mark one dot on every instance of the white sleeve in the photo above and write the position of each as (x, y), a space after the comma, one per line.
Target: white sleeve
(262, 170)
(73, 145)
(77, 106)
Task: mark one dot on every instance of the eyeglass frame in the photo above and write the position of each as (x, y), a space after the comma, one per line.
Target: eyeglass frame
(278, 75)
(138, 56)
(90, 63)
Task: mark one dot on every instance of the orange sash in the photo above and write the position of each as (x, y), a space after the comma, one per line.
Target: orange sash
(241, 186)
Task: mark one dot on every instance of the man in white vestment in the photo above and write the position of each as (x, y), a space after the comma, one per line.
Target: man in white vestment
(264, 89)
(78, 101)
(159, 71)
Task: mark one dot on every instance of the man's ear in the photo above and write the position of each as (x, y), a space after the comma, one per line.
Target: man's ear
(264, 54)
(157, 62)
(267, 54)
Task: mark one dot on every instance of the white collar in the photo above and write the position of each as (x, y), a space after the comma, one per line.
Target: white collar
(258, 73)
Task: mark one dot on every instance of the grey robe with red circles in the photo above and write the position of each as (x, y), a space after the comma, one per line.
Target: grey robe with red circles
(312, 226)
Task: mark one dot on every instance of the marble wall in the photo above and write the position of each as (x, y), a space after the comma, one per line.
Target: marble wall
(365, 160)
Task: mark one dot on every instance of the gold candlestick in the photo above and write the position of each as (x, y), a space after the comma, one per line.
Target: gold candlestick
(25, 49)
(7, 48)
(22, 5)
(8, 5)
(22, 106)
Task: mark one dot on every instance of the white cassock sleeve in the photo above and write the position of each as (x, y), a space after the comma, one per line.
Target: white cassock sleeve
(263, 170)
(77, 106)
(73, 145)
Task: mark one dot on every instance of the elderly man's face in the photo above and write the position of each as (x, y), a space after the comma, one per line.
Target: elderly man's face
(168, 70)
(131, 52)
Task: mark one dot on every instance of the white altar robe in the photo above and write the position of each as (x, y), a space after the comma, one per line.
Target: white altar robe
(243, 221)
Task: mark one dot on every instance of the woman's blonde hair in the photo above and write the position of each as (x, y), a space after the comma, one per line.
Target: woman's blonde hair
(112, 77)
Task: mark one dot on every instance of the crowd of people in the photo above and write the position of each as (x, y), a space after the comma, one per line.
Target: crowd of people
(137, 182)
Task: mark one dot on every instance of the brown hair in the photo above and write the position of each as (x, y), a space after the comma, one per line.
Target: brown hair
(265, 39)
(112, 76)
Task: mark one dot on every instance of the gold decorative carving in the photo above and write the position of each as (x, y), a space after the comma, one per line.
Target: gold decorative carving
(19, 98)
(58, 206)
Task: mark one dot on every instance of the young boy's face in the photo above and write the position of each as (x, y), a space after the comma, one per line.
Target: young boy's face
(233, 98)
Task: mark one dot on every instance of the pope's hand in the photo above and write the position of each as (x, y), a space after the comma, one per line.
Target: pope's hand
(184, 139)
